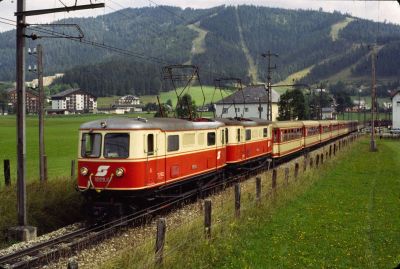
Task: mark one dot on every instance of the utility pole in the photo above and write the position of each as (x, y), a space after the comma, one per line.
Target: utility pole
(320, 103)
(21, 110)
(268, 55)
(24, 232)
(359, 105)
(39, 52)
(373, 101)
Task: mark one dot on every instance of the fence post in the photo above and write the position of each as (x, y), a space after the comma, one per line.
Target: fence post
(258, 190)
(274, 176)
(296, 170)
(286, 176)
(7, 177)
(330, 150)
(237, 200)
(322, 158)
(73, 169)
(72, 264)
(45, 167)
(311, 162)
(317, 161)
(160, 240)
(207, 218)
(304, 164)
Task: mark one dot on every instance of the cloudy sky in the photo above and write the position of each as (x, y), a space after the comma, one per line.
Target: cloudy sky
(375, 10)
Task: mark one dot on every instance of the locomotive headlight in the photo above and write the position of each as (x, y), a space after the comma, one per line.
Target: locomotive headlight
(119, 172)
(84, 171)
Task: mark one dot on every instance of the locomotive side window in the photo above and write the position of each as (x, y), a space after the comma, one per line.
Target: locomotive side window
(173, 142)
(222, 137)
(226, 136)
(200, 139)
(265, 132)
(116, 146)
(150, 144)
(188, 139)
(248, 134)
(91, 145)
(211, 139)
(238, 135)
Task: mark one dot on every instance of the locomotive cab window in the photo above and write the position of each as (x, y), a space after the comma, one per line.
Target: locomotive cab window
(91, 145)
(116, 145)
(211, 139)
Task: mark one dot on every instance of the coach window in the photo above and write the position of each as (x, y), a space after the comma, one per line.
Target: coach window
(116, 145)
(211, 139)
(173, 142)
(91, 145)
(222, 137)
(248, 134)
(150, 144)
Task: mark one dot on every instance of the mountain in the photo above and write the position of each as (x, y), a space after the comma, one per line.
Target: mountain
(224, 41)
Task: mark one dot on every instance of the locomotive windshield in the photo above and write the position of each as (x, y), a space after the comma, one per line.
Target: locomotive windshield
(91, 145)
(116, 146)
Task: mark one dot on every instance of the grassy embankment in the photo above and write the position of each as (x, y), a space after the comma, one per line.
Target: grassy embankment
(344, 215)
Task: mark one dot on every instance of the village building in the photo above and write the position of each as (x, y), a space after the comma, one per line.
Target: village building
(249, 102)
(128, 100)
(73, 101)
(31, 103)
(329, 113)
(396, 110)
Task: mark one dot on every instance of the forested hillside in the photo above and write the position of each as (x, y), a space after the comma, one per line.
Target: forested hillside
(156, 36)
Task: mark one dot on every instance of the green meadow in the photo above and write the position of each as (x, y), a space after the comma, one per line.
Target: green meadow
(61, 142)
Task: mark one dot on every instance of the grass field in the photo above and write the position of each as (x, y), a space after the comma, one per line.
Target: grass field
(195, 92)
(61, 139)
(342, 216)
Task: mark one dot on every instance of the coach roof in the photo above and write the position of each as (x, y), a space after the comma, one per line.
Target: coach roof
(164, 124)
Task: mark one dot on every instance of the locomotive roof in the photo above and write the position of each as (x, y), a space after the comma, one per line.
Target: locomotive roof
(165, 124)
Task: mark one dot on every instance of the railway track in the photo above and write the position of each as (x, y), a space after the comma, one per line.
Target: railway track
(65, 245)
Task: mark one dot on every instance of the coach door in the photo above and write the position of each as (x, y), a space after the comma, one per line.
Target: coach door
(241, 144)
(151, 159)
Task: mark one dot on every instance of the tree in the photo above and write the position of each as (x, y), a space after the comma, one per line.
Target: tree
(343, 101)
(186, 108)
(292, 106)
(169, 102)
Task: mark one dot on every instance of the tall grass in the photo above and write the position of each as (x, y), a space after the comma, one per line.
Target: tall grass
(50, 205)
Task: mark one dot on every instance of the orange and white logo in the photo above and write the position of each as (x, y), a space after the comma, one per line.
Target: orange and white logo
(102, 170)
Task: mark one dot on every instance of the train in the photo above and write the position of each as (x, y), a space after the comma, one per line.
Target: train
(124, 163)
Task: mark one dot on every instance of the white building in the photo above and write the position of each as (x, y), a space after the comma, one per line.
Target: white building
(73, 101)
(128, 100)
(396, 110)
(329, 113)
(250, 102)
